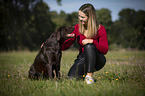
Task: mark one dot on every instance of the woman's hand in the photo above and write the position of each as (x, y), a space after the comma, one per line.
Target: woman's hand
(42, 45)
(86, 41)
(70, 35)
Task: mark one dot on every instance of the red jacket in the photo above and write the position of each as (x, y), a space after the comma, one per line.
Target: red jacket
(100, 41)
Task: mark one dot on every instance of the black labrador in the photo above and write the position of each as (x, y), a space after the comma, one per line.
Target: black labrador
(49, 57)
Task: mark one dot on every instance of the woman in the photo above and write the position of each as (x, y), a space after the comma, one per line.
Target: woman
(92, 39)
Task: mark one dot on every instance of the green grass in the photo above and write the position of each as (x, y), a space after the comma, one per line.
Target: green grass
(123, 75)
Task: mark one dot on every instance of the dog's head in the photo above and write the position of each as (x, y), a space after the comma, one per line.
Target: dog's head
(63, 31)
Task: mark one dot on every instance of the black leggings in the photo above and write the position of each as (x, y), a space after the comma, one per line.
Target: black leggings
(89, 61)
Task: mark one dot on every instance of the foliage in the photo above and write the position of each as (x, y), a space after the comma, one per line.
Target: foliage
(129, 30)
(26, 24)
(22, 24)
(104, 18)
(123, 75)
(64, 19)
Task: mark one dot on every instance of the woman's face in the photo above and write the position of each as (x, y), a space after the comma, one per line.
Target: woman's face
(83, 18)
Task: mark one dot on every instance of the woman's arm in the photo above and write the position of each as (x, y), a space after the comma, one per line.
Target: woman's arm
(102, 44)
(68, 42)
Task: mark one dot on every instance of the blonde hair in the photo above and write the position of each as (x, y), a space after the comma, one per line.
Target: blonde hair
(92, 25)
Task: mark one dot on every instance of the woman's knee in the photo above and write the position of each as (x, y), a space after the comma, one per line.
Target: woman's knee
(89, 46)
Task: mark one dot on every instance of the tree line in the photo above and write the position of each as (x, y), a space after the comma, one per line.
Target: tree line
(26, 24)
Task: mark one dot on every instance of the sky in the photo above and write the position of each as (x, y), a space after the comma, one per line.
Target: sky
(115, 6)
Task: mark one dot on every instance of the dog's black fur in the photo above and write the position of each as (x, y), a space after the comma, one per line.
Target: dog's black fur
(49, 57)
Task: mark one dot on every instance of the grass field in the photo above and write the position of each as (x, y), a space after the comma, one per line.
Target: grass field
(123, 75)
